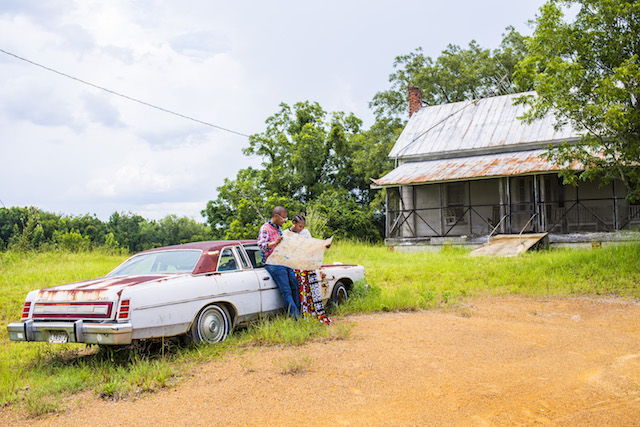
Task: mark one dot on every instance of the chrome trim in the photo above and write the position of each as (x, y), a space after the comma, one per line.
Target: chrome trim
(28, 330)
(78, 331)
(212, 298)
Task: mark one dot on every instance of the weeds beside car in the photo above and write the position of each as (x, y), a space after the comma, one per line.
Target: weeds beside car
(36, 377)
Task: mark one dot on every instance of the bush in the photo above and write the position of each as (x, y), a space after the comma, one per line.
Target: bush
(73, 241)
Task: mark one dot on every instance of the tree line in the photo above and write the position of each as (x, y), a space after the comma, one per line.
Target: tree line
(585, 73)
(30, 228)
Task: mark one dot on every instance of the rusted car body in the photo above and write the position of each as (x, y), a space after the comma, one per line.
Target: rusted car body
(200, 290)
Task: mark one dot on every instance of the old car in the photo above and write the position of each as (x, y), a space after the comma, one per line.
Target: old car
(198, 290)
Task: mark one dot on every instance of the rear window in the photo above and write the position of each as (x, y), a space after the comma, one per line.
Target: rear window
(183, 261)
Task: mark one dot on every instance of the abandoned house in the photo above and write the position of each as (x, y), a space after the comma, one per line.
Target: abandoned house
(468, 170)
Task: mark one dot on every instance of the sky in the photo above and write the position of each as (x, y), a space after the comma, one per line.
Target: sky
(74, 149)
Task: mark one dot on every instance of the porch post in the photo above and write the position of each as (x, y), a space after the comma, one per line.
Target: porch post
(536, 223)
(441, 209)
(469, 208)
(543, 205)
(508, 181)
(615, 206)
(502, 201)
(387, 217)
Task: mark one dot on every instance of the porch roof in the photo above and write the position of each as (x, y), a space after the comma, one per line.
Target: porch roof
(483, 166)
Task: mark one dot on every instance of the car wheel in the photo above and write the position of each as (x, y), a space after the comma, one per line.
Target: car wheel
(211, 325)
(339, 295)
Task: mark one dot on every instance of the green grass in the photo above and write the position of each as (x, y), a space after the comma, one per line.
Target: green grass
(423, 280)
(37, 377)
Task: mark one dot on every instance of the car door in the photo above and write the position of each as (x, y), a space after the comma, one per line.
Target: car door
(269, 293)
(238, 283)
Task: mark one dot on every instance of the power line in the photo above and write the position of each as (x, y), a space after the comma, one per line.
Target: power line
(122, 95)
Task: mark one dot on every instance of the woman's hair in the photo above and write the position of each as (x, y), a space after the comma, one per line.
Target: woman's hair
(298, 218)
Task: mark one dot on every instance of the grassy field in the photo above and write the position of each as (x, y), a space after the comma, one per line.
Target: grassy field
(36, 377)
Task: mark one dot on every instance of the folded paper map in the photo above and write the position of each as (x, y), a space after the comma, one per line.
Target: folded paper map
(299, 252)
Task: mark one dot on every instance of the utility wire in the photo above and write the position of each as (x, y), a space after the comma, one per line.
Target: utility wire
(122, 95)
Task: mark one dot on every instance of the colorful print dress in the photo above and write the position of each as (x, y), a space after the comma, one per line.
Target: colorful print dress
(311, 305)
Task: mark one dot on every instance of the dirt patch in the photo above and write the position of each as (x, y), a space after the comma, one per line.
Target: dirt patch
(497, 361)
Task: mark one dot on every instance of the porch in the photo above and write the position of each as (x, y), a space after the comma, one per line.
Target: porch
(478, 208)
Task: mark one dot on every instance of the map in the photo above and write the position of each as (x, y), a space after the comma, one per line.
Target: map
(299, 252)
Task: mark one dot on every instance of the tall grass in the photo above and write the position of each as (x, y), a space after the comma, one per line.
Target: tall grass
(36, 377)
(421, 280)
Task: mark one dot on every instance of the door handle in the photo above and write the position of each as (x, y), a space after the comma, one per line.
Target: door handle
(265, 278)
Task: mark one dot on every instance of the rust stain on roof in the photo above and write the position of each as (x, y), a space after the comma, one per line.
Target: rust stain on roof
(485, 166)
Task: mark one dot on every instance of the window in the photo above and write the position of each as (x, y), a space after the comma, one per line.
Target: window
(255, 256)
(227, 260)
(178, 261)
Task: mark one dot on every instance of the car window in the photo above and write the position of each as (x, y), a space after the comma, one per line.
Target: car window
(227, 261)
(181, 261)
(255, 256)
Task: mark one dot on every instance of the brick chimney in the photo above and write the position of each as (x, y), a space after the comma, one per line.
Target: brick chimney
(415, 99)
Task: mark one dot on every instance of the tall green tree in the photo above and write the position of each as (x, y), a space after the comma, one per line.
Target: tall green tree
(305, 151)
(243, 205)
(587, 74)
(456, 75)
(307, 154)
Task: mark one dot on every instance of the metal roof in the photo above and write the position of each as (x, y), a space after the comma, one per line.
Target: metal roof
(481, 126)
(483, 166)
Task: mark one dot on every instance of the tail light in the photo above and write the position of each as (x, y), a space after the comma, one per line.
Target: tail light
(26, 309)
(123, 313)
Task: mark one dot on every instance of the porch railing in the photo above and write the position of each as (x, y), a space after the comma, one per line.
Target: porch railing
(585, 215)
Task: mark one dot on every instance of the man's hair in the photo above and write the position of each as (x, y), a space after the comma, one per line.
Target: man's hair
(279, 210)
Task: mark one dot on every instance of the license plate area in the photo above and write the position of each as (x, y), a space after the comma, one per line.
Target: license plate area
(58, 337)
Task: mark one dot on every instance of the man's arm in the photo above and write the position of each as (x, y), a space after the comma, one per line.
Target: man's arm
(263, 239)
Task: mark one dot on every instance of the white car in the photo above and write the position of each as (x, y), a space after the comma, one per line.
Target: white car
(201, 290)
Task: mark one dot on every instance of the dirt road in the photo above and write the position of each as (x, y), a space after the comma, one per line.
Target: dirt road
(497, 361)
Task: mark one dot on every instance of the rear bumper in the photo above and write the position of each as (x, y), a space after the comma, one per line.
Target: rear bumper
(78, 331)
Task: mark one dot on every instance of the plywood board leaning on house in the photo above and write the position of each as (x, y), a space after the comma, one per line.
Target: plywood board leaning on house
(509, 244)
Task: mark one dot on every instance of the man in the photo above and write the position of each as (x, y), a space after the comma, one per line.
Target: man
(269, 237)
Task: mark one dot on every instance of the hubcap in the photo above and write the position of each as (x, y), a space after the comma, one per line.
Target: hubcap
(212, 325)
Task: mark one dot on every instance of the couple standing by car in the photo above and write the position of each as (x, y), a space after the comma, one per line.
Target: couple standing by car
(299, 289)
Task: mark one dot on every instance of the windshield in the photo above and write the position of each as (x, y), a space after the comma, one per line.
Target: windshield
(183, 261)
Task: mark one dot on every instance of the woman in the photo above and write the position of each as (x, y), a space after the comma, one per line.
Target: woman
(310, 296)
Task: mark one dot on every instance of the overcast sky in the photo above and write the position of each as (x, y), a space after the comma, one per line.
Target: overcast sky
(73, 149)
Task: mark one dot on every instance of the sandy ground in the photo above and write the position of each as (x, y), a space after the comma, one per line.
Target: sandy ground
(494, 361)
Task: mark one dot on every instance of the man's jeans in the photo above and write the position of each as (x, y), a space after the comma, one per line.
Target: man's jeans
(287, 282)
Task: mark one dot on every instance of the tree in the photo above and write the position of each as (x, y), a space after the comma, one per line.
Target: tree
(305, 151)
(175, 231)
(345, 218)
(456, 75)
(306, 154)
(587, 74)
(243, 205)
(128, 231)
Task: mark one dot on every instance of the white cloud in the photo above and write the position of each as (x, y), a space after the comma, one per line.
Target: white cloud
(71, 148)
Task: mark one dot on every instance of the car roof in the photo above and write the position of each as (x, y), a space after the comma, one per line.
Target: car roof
(204, 246)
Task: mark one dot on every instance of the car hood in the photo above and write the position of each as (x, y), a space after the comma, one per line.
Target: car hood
(101, 289)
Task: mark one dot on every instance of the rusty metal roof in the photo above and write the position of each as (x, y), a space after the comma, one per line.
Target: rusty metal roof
(483, 166)
(488, 125)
